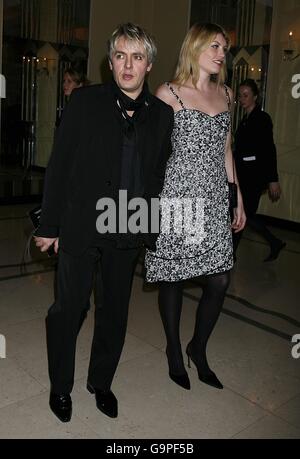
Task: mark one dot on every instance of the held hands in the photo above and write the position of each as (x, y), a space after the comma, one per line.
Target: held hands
(45, 242)
(274, 191)
(239, 216)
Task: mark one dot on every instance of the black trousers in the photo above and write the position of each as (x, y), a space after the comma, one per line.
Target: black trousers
(74, 283)
(251, 192)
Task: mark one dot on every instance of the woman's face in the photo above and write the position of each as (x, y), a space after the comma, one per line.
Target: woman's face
(69, 84)
(247, 99)
(213, 58)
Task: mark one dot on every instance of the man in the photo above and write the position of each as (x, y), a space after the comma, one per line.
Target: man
(112, 137)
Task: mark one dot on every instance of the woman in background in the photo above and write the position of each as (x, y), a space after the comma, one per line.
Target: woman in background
(256, 164)
(74, 77)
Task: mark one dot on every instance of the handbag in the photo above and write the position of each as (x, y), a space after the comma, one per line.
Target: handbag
(232, 191)
(232, 196)
(35, 216)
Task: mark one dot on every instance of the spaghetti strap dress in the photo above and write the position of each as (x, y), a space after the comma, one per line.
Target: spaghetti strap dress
(195, 235)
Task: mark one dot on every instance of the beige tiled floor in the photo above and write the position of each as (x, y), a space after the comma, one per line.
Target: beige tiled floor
(250, 350)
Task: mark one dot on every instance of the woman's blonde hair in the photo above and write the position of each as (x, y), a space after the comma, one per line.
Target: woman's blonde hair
(197, 40)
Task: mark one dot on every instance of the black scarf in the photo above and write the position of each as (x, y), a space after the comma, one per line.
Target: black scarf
(126, 104)
(132, 169)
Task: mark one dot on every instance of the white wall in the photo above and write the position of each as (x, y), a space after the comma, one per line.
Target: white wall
(285, 110)
(1, 44)
(166, 20)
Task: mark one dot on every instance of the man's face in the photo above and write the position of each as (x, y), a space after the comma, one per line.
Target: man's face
(129, 65)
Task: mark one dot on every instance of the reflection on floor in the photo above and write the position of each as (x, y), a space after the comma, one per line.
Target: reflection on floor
(250, 351)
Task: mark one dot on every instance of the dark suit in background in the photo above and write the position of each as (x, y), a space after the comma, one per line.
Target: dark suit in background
(256, 166)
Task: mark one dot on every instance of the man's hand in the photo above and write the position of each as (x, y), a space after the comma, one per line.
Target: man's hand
(45, 242)
(274, 191)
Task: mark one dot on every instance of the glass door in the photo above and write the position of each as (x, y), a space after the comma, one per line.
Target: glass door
(41, 39)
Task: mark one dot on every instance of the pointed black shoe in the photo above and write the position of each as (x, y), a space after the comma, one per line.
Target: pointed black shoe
(275, 250)
(208, 378)
(105, 401)
(181, 380)
(211, 380)
(61, 405)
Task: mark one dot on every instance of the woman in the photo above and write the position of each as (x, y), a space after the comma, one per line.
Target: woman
(74, 78)
(255, 157)
(197, 175)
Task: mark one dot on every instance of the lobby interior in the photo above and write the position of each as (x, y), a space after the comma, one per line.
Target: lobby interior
(254, 348)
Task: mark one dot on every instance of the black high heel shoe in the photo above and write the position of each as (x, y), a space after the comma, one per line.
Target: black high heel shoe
(275, 250)
(208, 378)
(181, 379)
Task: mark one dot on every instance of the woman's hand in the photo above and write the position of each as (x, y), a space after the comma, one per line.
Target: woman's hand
(45, 242)
(274, 191)
(239, 216)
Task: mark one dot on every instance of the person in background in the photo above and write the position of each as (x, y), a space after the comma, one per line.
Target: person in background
(197, 173)
(256, 164)
(74, 78)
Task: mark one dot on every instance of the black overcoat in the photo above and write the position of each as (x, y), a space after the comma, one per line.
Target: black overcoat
(85, 164)
(255, 151)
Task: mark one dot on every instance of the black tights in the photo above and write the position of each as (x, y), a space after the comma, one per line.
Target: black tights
(210, 305)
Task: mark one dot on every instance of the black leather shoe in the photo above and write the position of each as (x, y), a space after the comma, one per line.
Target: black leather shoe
(61, 405)
(105, 401)
(275, 250)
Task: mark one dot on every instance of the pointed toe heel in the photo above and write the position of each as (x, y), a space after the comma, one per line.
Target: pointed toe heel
(208, 378)
(275, 250)
(182, 380)
(211, 379)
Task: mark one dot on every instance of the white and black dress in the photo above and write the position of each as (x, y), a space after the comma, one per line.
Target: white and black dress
(195, 237)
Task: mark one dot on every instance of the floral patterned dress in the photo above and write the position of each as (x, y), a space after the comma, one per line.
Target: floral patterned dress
(195, 237)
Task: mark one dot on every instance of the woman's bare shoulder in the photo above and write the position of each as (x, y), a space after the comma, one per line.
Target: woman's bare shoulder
(230, 92)
(163, 92)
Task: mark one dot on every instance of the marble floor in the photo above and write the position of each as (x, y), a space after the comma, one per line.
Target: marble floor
(250, 350)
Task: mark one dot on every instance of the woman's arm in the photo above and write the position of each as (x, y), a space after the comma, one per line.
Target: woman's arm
(239, 219)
